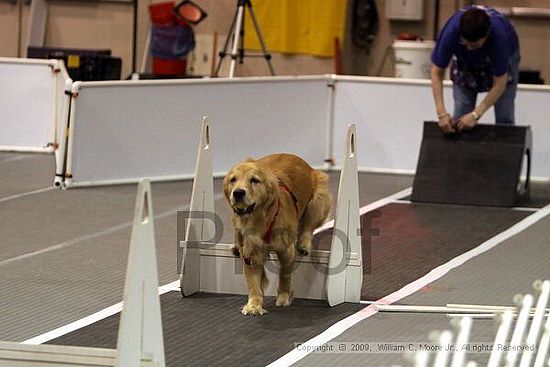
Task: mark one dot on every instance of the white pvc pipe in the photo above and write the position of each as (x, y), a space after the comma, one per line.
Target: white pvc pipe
(62, 138)
(69, 183)
(483, 307)
(542, 351)
(329, 126)
(6, 148)
(486, 307)
(472, 315)
(421, 358)
(485, 315)
(536, 325)
(459, 355)
(425, 309)
(56, 69)
(398, 81)
(500, 338)
(75, 88)
(203, 81)
(442, 355)
(519, 330)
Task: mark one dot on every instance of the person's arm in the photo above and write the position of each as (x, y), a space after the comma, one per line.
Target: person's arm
(444, 118)
(469, 120)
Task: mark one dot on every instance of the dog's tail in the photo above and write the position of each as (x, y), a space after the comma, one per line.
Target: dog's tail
(321, 178)
(321, 203)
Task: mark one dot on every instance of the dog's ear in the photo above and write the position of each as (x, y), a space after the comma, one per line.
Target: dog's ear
(271, 188)
(226, 185)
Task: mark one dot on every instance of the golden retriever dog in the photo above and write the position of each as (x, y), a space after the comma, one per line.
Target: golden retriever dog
(278, 201)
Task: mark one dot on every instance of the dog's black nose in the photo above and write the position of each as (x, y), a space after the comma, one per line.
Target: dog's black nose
(239, 194)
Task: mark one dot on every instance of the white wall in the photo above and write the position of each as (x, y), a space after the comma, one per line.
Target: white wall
(126, 130)
(390, 113)
(27, 104)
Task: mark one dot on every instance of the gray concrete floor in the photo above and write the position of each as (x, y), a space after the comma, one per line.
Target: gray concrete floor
(63, 256)
(63, 252)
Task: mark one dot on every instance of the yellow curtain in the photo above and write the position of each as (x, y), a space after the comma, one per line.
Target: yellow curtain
(297, 26)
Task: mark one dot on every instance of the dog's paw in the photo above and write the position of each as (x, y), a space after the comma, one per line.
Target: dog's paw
(304, 249)
(253, 310)
(283, 300)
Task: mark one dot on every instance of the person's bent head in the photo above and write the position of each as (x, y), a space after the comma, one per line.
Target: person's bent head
(474, 27)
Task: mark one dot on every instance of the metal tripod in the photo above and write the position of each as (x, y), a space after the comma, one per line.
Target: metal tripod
(237, 33)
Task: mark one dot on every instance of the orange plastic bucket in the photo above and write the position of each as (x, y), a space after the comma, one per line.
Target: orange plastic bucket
(169, 67)
(162, 13)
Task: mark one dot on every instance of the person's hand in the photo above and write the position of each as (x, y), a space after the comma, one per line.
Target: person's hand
(466, 122)
(446, 124)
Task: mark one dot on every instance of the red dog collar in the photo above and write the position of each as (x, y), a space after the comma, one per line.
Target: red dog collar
(269, 231)
(294, 198)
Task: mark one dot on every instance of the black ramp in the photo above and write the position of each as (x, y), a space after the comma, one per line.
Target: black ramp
(209, 330)
(481, 166)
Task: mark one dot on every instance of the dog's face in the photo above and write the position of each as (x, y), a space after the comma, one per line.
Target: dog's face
(248, 188)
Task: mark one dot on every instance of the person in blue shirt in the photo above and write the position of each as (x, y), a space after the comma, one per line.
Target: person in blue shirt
(482, 47)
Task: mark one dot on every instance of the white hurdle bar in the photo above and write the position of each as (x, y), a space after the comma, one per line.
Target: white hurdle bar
(140, 339)
(459, 355)
(442, 355)
(207, 266)
(518, 336)
(542, 352)
(537, 323)
(500, 338)
(534, 349)
(446, 356)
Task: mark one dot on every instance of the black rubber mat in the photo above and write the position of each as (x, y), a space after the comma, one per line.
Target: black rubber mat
(403, 242)
(414, 239)
(209, 330)
(539, 196)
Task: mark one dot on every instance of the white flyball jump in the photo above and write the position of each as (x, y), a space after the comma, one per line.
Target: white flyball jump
(140, 340)
(209, 266)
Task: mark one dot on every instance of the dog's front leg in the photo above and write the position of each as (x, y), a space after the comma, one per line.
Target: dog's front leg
(237, 246)
(254, 274)
(284, 290)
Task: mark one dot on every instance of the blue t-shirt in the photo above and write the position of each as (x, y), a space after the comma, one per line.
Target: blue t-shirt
(495, 53)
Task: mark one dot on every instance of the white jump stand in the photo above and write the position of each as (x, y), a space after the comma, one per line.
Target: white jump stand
(140, 340)
(335, 276)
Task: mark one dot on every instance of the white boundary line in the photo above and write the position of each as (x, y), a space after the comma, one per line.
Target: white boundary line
(88, 320)
(16, 158)
(373, 206)
(174, 286)
(17, 196)
(343, 325)
(109, 311)
(87, 237)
